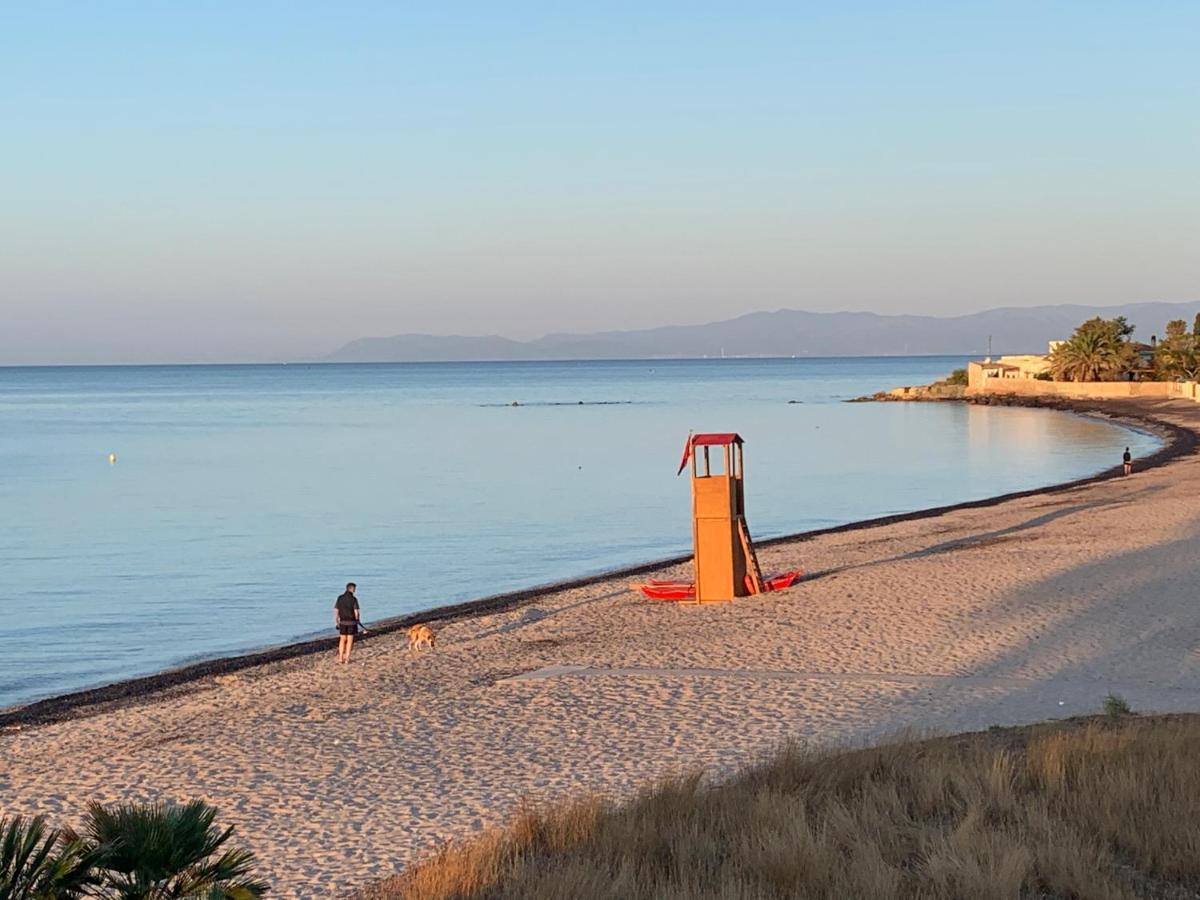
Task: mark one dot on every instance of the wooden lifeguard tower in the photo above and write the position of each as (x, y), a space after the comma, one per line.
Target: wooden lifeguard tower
(724, 555)
(725, 562)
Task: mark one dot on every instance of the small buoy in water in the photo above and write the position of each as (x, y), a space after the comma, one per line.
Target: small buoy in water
(112, 459)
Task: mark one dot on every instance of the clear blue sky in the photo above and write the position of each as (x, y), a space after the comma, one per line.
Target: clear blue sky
(265, 180)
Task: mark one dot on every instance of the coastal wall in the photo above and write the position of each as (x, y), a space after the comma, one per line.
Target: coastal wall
(1004, 377)
(1087, 390)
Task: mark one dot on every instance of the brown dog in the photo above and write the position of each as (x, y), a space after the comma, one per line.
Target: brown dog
(418, 635)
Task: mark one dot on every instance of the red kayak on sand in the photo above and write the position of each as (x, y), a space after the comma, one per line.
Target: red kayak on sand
(786, 580)
(667, 590)
(685, 590)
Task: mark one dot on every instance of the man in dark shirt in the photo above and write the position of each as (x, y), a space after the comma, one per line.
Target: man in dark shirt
(1127, 461)
(346, 618)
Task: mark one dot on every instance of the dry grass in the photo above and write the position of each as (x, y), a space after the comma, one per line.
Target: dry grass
(1093, 809)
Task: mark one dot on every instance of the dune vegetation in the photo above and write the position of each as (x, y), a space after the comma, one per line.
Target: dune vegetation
(1107, 807)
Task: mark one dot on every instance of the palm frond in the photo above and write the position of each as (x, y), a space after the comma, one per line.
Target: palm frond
(37, 863)
(161, 851)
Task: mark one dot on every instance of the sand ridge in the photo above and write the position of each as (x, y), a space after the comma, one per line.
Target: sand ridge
(336, 776)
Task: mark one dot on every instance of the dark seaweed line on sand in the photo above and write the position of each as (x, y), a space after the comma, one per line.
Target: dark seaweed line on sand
(1180, 441)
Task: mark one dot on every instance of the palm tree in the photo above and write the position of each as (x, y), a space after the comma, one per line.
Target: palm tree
(161, 852)
(1090, 355)
(1178, 357)
(40, 864)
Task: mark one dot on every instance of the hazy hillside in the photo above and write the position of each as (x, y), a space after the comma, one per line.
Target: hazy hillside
(786, 332)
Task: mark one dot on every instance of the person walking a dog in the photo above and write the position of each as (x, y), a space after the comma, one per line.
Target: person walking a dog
(1127, 461)
(346, 619)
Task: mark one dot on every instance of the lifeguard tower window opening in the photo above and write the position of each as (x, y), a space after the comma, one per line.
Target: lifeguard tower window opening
(726, 461)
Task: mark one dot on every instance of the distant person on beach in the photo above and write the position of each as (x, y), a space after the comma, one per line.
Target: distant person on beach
(345, 617)
(1127, 460)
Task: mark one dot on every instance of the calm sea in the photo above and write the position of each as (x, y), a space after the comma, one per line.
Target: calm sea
(244, 497)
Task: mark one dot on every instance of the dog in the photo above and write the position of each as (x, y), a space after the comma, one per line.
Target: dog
(418, 635)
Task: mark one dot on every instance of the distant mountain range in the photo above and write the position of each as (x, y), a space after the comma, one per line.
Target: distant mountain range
(786, 332)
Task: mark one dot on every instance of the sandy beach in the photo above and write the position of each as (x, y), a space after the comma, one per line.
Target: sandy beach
(1033, 608)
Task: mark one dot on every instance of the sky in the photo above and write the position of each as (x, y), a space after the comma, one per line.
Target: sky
(224, 181)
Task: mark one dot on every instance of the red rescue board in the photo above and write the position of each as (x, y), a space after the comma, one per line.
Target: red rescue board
(683, 590)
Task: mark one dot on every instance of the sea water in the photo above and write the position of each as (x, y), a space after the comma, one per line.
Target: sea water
(243, 498)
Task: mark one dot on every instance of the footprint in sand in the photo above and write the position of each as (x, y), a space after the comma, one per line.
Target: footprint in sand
(304, 711)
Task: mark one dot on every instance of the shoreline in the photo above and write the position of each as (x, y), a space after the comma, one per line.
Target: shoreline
(179, 681)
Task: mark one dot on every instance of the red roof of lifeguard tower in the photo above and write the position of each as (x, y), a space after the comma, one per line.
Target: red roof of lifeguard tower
(716, 440)
(720, 439)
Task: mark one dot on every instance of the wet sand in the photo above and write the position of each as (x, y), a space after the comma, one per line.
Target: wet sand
(1031, 608)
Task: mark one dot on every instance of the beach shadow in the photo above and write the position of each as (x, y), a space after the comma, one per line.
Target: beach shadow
(1129, 624)
(534, 615)
(984, 538)
(1149, 592)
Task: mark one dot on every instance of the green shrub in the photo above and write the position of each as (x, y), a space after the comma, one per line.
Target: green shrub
(958, 376)
(1115, 706)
